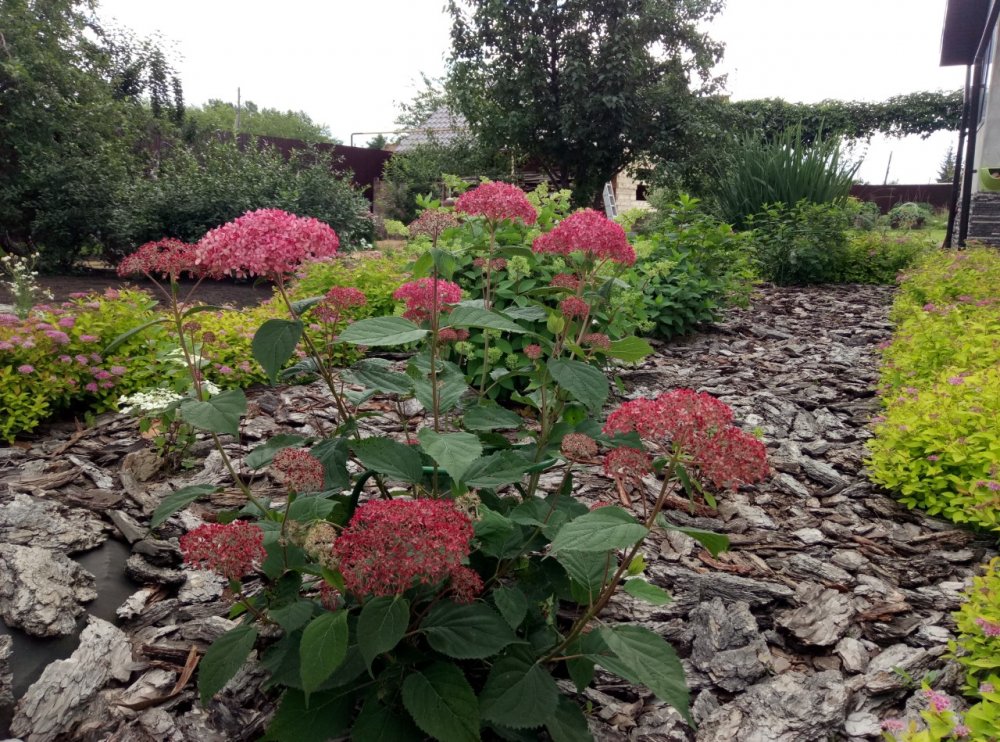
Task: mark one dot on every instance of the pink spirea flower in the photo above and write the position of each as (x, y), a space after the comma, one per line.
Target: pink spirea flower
(574, 306)
(266, 242)
(6, 345)
(937, 701)
(9, 320)
(893, 725)
(597, 340)
(990, 628)
(66, 322)
(565, 281)
(89, 338)
(431, 223)
(26, 368)
(533, 351)
(57, 336)
(497, 201)
(960, 730)
(390, 546)
(986, 688)
(589, 232)
(627, 463)
(419, 297)
(167, 257)
(956, 380)
(337, 300)
(91, 387)
(578, 447)
(303, 472)
(232, 550)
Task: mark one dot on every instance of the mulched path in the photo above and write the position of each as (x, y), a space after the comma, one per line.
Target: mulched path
(817, 624)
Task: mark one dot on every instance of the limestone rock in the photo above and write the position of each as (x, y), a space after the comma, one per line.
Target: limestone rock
(41, 591)
(32, 521)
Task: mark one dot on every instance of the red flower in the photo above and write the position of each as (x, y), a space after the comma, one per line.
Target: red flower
(432, 222)
(466, 584)
(732, 457)
(589, 232)
(533, 351)
(451, 335)
(419, 297)
(565, 281)
(627, 463)
(391, 546)
(303, 472)
(497, 201)
(231, 550)
(338, 299)
(266, 242)
(167, 257)
(574, 306)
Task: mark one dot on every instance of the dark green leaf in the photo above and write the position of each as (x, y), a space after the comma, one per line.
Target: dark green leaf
(375, 374)
(262, 455)
(452, 451)
(442, 702)
(568, 724)
(527, 314)
(640, 656)
(223, 660)
(324, 716)
(715, 543)
(451, 388)
(512, 604)
(324, 644)
(308, 508)
(294, 615)
(586, 383)
(639, 588)
(490, 417)
(518, 693)
(466, 316)
(220, 414)
(274, 343)
(466, 632)
(178, 500)
(381, 331)
(381, 625)
(333, 453)
(630, 349)
(388, 457)
(376, 723)
(600, 530)
(503, 467)
(589, 570)
(301, 305)
(497, 535)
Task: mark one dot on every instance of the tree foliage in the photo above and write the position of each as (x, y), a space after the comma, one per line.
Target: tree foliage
(219, 115)
(582, 87)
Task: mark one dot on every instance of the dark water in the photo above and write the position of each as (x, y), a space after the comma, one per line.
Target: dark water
(32, 655)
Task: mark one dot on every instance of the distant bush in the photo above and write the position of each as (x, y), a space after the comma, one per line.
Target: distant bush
(863, 215)
(801, 244)
(878, 257)
(909, 215)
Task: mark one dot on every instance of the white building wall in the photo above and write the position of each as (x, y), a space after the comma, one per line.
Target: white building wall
(988, 134)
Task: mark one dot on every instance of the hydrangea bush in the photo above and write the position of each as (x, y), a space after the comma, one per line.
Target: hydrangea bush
(429, 586)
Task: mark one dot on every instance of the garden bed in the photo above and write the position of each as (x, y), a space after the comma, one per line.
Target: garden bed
(818, 623)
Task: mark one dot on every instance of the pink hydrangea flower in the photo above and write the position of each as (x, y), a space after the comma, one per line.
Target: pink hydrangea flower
(266, 242)
(574, 306)
(597, 340)
(497, 201)
(336, 301)
(231, 550)
(431, 223)
(565, 281)
(627, 464)
(167, 257)
(419, 297)
(590, 233)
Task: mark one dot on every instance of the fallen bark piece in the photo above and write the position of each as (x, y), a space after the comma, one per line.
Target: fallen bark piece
(41, 591)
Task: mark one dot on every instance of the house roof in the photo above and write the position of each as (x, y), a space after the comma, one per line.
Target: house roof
(964, 23)
(441, 127)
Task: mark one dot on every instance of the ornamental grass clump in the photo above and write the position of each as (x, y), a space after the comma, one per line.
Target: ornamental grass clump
(435, 566)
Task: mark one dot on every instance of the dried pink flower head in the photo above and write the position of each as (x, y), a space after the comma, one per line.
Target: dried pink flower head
(420, 300)
(302, 471)
(431, 223)
(266, 242)
(497, 201)
(451, 335)
(961, 730)
(597, 340)
(578, 447)
(533, 351)
(390, 546)
(627, 464)
(466, 585)
(986, 688)
(574, 306)
(232, 550)
(167, 257)
(588, 232)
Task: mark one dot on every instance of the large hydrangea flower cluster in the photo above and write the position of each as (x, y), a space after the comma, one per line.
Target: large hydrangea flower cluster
(497, 201)
(701, 426)
(232, 550)
(391, 546)
(266, 242)
(588, 232)
(420, 299)
(168, 258)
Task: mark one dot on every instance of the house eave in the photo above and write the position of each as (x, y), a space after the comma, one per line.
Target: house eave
(964, 23)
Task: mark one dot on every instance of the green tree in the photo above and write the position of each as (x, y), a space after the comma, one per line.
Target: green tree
(377, 142)
(582, 87)
(220, 115)
(946, 171)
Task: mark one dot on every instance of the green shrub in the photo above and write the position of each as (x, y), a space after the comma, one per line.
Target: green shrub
(801, 244)
(378, 277)
(786, 170)
(947, 277)
(909, 215)
(863, 215)
(878, 257)
(938, 448)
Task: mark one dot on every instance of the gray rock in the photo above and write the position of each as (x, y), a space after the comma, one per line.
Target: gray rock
(41, 591)
(728, 646)
(59, 699)
(882, 675)
(806, 567)
(853, 654)
(200, 586)
(159, 552)
(809, 535)
(863, 724)
(32, 521)
(139, 569)
(128, 526)
(821, 619)
(789, 708)
(6, 675)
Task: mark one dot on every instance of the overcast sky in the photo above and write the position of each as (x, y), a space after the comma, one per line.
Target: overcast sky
(347, 64)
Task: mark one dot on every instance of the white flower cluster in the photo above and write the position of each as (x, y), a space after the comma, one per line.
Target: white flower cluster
(151, 401)
(23, 282)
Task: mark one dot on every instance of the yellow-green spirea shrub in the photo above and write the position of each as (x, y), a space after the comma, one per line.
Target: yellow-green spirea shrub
(938, 448)
(947, 277)
(377, 277)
